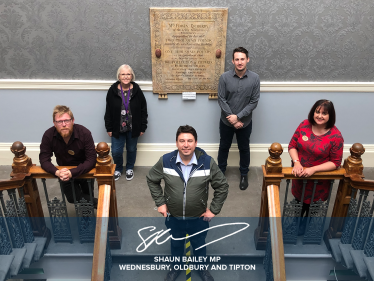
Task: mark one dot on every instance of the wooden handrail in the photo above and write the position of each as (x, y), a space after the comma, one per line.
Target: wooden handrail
(331, 175)
(359, 183)
(274, 173)
(38, 173)
(275, 223)
(15, 182)
(287, 174)
(101, 233)
(103, 173)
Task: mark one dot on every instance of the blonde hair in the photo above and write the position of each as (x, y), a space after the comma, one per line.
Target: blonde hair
(60, 110)
(129, 68)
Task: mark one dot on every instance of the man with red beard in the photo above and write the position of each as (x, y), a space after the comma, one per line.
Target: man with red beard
(72, 145)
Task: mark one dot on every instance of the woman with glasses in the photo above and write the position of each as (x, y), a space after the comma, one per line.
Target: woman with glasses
(125, 119)
(316, 146)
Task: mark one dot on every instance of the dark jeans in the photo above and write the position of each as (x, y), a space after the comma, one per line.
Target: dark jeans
(179, 228)
(117, 151)
(81, 189)
(242, 137)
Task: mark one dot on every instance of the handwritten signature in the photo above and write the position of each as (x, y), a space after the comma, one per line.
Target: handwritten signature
(158, 234)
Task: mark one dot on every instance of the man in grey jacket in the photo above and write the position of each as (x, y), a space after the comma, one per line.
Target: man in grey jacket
(238, 95)
(187, 173)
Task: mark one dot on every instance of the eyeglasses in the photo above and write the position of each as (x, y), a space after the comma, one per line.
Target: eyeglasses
(67, 122)
(126, 75)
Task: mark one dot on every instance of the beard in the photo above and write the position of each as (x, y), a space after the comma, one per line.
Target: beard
(66, 132)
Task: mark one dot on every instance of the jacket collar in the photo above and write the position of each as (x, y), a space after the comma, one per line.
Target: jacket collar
(115, 85)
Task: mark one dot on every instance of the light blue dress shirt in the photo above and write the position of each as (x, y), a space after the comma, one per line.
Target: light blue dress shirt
(186, 169)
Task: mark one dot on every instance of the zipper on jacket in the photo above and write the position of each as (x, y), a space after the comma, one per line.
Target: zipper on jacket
(185, 190)
(202, 201)
(184, 194)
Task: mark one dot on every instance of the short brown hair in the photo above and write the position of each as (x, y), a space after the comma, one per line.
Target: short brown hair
(240, 50)
(186, 130)
(60, 110)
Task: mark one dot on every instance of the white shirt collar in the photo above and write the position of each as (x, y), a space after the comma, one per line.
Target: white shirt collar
(192, 161)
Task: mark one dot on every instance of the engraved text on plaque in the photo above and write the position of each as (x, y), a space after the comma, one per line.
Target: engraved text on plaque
(188, 49)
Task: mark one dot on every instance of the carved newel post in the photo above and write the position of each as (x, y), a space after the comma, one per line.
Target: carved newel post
(273, 164)
(21, 165)
(105, 175)
(272, 172)
(353, 166)
(21, 162)
(103, 160)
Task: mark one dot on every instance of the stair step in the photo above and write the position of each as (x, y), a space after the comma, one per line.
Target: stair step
(335, 250)
(369, 261)
(30, 250)
(16, 265)
(5, 263)
(40, 244)
(359, 265)
(347, 260)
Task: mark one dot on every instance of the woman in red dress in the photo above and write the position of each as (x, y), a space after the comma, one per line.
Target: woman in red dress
(316, 146)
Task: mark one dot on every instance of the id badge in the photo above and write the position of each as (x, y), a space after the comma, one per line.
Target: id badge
(123, 112)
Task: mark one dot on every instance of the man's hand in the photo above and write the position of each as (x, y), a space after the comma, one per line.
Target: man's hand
(109, 134)
(63, 174)
(238, 125)
(232, 119)
(163, 209)
(141, 133)
(208, 215)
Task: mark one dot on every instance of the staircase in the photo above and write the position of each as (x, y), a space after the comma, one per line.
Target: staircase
(355, 249)
(18, 251)
(72, 254)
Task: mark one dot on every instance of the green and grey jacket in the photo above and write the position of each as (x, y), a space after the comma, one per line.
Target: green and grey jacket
(187, 199)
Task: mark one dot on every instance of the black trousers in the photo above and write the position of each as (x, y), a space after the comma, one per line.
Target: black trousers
(304, 209)
(81, 189)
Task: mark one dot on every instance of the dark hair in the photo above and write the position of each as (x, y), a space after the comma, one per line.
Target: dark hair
(240, 50)
(188, 130)
(326, 105)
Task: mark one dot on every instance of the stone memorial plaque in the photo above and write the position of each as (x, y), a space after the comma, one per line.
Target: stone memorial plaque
(188, 49)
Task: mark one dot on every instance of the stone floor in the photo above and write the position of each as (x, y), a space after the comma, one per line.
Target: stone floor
(134, 199)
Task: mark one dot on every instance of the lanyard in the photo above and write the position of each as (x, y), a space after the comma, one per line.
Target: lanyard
(126, 103)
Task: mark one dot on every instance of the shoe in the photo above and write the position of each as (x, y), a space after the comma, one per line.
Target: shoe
(205, 275)
(302, 226)
(243, 182)
(117, 175)
(172, 275)
(129, 174)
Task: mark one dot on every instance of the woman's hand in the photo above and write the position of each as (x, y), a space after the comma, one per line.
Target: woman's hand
(141, 133)
(109, 134)
(307, 172)
(297, 169)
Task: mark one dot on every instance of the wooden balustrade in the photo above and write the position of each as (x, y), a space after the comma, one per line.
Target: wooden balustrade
(101, 233)
(24, 173)
(274, 173)
(275, 221)
(352, 166)
(104, 172)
